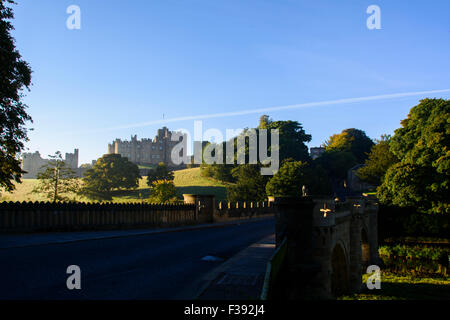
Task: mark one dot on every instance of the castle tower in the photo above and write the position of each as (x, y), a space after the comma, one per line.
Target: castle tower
(71, 159)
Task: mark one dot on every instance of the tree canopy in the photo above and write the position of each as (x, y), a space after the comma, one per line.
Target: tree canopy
(421, 177)
(379, 160)
(57, 182)
(250, 184)
(293, 175)
(110, 172)
(336, 163)
(351, 140)
(292, 140)
(163, 191)
(15, 76)
(161, 172)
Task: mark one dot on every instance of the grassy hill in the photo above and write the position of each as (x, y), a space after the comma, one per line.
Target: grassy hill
(191, 181)
(186, 181)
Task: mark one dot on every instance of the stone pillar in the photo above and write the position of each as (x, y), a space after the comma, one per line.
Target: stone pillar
(192, 199)
(355, 269)
(324, 228)
(205, 206)
(294, 221)
(372, 211)
(355, 266)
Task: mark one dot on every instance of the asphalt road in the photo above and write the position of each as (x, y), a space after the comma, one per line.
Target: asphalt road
(160, 266)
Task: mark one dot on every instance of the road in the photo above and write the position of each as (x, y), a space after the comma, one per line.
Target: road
(161, 266)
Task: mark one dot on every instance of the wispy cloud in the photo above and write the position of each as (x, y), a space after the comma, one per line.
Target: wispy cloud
(272, 109)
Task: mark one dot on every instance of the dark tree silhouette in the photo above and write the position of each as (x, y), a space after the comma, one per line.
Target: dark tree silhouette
(15, 76)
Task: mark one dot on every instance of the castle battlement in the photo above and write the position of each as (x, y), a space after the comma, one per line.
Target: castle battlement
(33, 163)
(146, 150)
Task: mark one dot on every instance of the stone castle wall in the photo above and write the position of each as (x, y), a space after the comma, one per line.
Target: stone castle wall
(33, 164)
(146, 151)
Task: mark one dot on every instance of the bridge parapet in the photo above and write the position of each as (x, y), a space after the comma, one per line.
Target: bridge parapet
(343, 238)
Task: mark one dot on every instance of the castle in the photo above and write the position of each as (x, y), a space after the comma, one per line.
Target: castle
(146, 151)
(32, 163)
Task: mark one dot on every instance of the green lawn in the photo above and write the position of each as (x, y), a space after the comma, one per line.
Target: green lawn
(186, 181)
(191, 181)
(400, 286)
(146, 166)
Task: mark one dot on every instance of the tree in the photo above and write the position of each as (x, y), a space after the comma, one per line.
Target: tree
(379, 160)
(163, 191)
(421, 178)
(161, 172)
(336, 163)
(220, 172)
(292, 140)
(264, 121)
(57, 181)
(351, 140)
(110, 172)
(250, 184)
(15, 75)
(293, 175)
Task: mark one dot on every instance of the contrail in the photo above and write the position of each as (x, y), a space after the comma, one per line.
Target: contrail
(288, 107)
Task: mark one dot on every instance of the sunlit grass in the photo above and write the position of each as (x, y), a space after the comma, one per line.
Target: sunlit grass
(395, 286)
(186, 181)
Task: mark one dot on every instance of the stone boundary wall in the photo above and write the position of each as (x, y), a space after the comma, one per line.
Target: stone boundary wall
(244, 209)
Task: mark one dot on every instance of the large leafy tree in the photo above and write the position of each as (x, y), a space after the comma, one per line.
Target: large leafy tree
(421, 178)
(58, 181)
(293, 175)
(351, 140)
(379, 160)
(110, 172)
(250, 184)
(15, 76)
(336, 163)
(292, 140)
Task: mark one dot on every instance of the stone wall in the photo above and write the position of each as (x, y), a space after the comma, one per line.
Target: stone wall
(33, 164)
(147, 151)
(344, 242)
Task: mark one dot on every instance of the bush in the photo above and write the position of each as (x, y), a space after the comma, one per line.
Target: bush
(163, 191)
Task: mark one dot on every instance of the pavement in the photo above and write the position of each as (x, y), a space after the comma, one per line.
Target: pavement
(242, 276)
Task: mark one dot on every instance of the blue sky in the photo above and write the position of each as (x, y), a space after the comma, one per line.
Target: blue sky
(133, 61)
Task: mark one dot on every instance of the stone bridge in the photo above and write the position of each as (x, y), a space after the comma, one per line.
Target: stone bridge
(329, 244)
